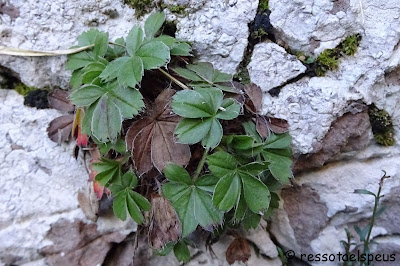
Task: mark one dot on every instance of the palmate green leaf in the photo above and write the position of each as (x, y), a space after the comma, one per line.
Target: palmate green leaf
(181, 252)
(201, 109)
(203, 75)
(131, 72)
(192, 201)
(176, 46)
(134, 40)
(107, 107)
(154, 54)
(79, 60)
(108, 171)
(236, 179)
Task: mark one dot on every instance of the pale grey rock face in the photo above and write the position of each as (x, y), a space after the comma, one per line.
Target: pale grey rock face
(52, 25)
(39, 182)
(271, 66)
(219, 31)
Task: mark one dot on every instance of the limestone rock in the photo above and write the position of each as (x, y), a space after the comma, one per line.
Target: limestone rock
(271, 66)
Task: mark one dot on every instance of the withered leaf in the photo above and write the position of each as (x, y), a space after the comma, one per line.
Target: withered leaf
(58, 99)
(165, 225)
(151, 138)
(59, 130)
(262, 126)
(278, 126)
(255, 94)
(81, 139)
(238, 250)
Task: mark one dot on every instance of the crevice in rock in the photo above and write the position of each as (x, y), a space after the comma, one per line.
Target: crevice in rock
(382, 126)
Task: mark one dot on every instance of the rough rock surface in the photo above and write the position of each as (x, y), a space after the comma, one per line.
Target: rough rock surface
(271, 66)
(218, 30)
(39, 182)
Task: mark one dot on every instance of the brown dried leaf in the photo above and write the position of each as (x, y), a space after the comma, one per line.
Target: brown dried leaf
(165, 225)
(255, 98)
(151, 139)
(164, 149)
(278, 126)
(238, 250)
(262, 126)
(58, 99)
(60, 128)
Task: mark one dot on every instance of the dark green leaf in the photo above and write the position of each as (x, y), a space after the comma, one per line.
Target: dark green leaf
(176, 173)
(187, 74)
(108, 171)
(131, 72)
(278, 141)
(251, 220)
(87, 95)
(231, 109)
(100, 45)
(191, 131)
(221, 163)
(227, 192)
(256, 194)
(107, 120)
(133, 209)
(134, 40)
(119, 205)
(181, 252)
(191, 104)
(214, 135)
(207, 183)
(112, 70)
(154, 54)
(129, 179)
(141, 201)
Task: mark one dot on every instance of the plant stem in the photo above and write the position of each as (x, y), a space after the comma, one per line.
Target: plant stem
(377, 198)
(200, 166)
(180, 84)
(117, 44)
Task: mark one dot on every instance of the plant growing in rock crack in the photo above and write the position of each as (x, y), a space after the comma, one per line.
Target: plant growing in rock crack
(364, 234)
(177, 150)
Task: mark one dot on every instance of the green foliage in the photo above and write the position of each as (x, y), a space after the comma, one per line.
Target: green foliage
(201, 109)
(350, 44)
(191, 198)
(365, 232)
(128, 200)
(263, 5)
(382, 126)
(233, 186)
(176, 9)
(104, 79)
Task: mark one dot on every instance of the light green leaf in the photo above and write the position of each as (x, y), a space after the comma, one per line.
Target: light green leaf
(204, 70)
(214, 135)
(131, 72)
(134, 40)
(221, 77)
(278, 141)
(213, 97)
(187, 74)
(129, 179)
(79, 60)
(133, 209)
(251, 220)
(100, 44)
(112, 70)
(153, 24)
(221, 163)
(108, 171)
(207, 183)
(128, 100)
(240, 209)
(141, 201)
(280, 166)
(107, 120)
(89, 37)
(154, 54)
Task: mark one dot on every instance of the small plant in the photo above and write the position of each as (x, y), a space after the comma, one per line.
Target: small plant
(263, 5)
(365, 233)
(382, 126)
(141, 6)
(176, 150)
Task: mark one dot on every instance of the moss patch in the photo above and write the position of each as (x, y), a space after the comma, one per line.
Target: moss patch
(176, 9)
(24, 90)
(141, 6)
(329, 59)
(382, 126)
(263, 5)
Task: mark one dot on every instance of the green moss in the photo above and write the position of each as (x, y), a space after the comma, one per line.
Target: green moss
(176, 9)
(141, 6)
(24, 90)
(259, 34)
(263, 5)
(382, 126)
(350, 44)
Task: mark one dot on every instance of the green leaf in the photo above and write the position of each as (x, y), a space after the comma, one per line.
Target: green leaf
(256, 194)
(207, 183)
(108, 171)
(203, 70)
(166, 249)
(131, 72)
(214, 135)
(153, 24)
(129, 179)
(187, 74)
(191, 131)
(231, 109)
(107, 120)
(89, 37)
(87, 95)
(112, 70)
(364, 191)
(192, 203)
(181, 252)
(278, 141)
(141, 201)
(191, 104)
(120, 205)
(280, 165)
(240, 209)
(134, 40)
(100, 44)
(129, 101)
(181, 49)
(133, 209)
(221, 163)
(154, 54)
(251, 220)
(227, 192)
(176, 173)
(79, 60)
(76, 79)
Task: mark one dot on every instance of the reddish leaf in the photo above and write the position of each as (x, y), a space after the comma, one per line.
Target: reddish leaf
(278, 126)
(238, 250)
(59, 129)
(58, 99)
(255, 94)
(165, 225)
(98, 189)
(81, 139)
(151, 138)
